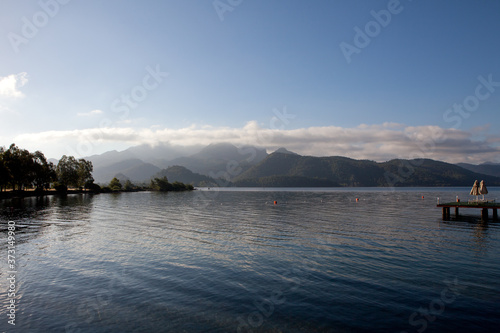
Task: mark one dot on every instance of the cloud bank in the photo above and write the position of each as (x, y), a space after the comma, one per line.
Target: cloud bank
(90, 113)
(374, 142)
(9, 85)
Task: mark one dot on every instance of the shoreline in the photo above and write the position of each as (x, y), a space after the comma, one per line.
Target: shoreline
(31, 193)
(27, 194)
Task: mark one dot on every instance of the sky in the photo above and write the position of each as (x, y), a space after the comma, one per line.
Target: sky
(374, 80)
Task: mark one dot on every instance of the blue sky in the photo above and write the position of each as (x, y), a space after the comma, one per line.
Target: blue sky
(83, 77)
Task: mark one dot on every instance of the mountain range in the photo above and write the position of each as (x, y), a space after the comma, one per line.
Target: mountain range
(141, 163)
(224, 164)
(492, 169)
(280, 169)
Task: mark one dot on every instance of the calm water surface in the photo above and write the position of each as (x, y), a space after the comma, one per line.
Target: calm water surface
(233, 261)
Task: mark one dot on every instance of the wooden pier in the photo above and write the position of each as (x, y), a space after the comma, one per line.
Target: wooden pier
(484, 206)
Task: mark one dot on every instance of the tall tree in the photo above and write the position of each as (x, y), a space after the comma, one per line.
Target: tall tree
(20, 164)
(67, 171)
(85, 169)
(5, 176)
(44, 172)
(128, 185)
(115, 184)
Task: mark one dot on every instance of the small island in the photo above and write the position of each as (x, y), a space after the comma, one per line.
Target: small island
(157, 184)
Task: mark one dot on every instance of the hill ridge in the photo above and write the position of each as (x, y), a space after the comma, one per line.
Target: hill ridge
(346, 171)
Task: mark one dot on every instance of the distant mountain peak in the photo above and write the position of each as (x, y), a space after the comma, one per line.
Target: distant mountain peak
(285, 151)
(220, 144)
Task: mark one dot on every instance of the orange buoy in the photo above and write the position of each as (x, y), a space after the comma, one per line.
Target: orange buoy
(422, 197)
(275, 202)
(357, 199)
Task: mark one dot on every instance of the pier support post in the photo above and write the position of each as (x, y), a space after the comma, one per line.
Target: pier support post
(446, 213)
(477, 205)
(484, 214)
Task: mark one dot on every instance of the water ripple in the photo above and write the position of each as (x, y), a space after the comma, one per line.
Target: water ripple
(316, 261)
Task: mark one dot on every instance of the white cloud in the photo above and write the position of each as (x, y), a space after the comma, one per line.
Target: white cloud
(9, 85)
(7, 110)
(374, 142)
(91, 113)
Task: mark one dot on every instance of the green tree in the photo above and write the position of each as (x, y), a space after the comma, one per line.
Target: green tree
(20, 169)
(85, 169)
(44, 172)
(128, 185)
(67, 171)
(20, 163)
(115, 184)
(161, 184)
(5, 176)
(178, 186)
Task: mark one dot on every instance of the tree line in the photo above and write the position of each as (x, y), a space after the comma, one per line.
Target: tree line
(21, 169)
(160, 184)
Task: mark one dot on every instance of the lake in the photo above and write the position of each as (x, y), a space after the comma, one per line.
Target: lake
(231, 260)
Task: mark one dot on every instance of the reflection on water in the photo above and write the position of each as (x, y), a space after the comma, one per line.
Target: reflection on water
(226, 261)
(479, 230)
(36, 215)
